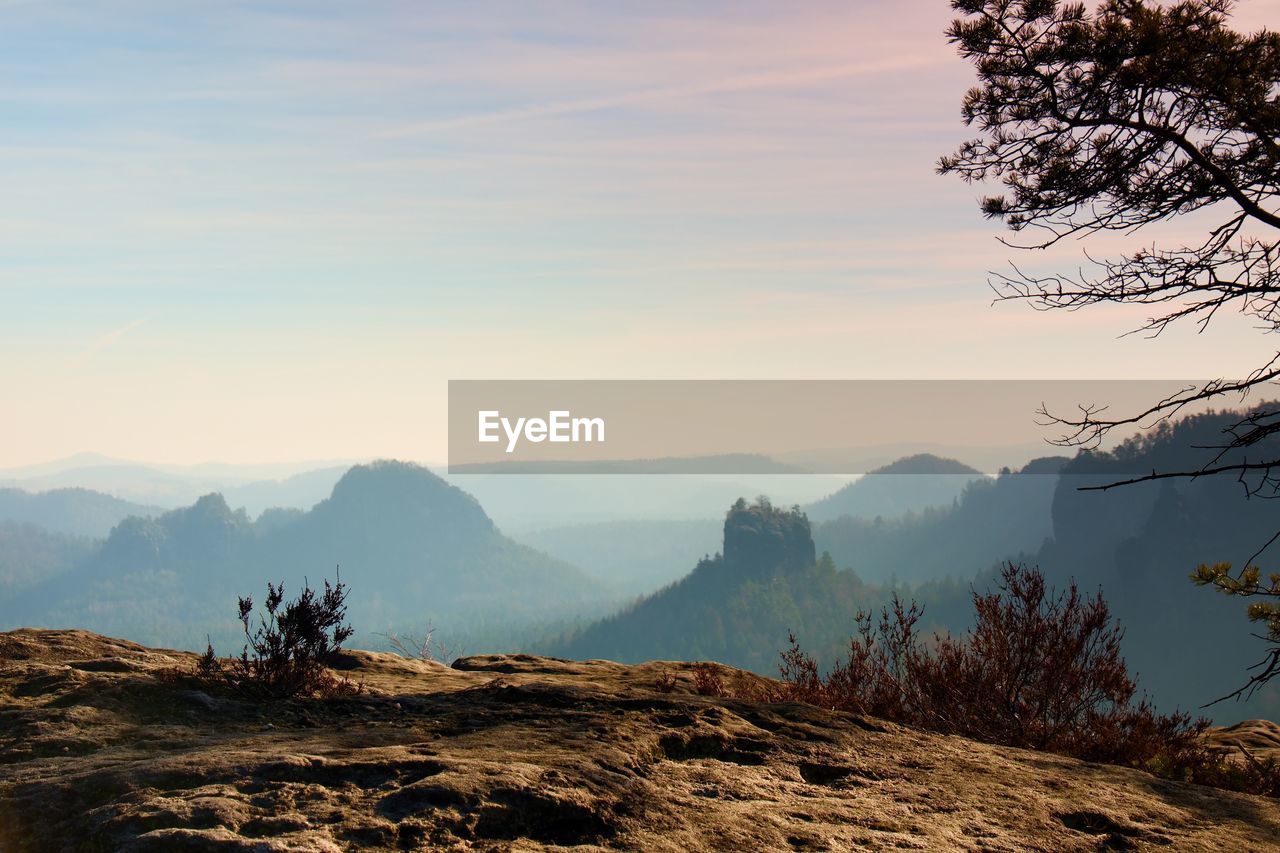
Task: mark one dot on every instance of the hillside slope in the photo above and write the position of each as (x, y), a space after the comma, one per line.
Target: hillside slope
(99, 751)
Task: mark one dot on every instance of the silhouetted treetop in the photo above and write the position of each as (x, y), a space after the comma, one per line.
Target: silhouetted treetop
(1119, 118)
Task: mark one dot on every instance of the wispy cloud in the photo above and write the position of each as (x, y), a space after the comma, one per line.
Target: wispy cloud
(777, 79)
(113, 337)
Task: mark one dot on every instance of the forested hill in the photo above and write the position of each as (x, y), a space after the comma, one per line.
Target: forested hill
(415, 551)
(1141, 542)
(1007, 517)
(738, 606)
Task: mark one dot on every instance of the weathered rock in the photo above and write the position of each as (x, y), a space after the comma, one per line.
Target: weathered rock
(518, 752)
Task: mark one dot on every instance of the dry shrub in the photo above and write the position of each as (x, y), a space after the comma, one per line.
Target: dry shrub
(287, 654)
(707, 680)
(423, 647)
(1040, 670)
(710, 679)
(666, 681)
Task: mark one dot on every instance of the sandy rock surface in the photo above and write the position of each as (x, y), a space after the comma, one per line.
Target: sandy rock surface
(1261, 738)
(99, 751)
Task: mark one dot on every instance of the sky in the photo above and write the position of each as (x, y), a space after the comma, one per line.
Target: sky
(271, 232)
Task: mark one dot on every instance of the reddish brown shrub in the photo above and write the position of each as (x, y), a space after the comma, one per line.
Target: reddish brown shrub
(1040, 670)
(707, 680)
(666, 681)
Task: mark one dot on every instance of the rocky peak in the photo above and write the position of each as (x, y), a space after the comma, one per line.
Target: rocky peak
(760, 538)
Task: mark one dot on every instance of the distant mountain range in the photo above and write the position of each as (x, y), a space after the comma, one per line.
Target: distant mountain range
(523, 502)
(873, 522)
(535, 499)
(418, 551)
(898, 528)
(990, 519)
(255, 487)
(725, 463)
(78, 512)
(415, 551)
(216, 471)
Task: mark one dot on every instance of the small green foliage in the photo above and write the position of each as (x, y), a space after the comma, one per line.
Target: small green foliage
(1249, 583)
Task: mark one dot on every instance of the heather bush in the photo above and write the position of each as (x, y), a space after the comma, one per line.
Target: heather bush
(1041, 669)
(666, 681)
(287, 654)
(707, 680)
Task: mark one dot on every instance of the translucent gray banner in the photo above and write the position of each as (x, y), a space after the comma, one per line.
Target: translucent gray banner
(770, 426)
